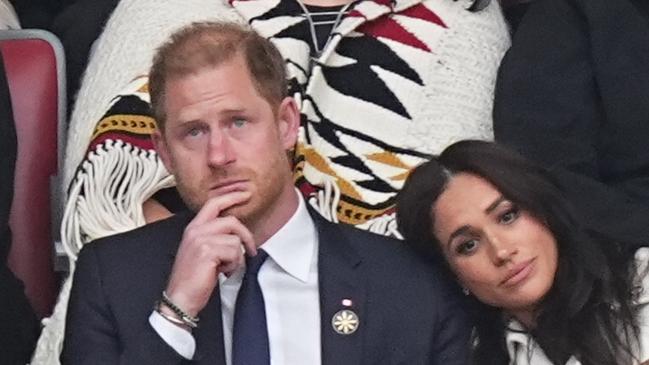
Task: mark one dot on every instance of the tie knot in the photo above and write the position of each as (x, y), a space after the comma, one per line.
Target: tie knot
(253, 263)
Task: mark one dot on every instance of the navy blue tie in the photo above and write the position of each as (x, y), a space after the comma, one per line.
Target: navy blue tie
(250, 333)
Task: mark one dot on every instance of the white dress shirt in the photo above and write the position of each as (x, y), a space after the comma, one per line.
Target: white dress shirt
(289, 282)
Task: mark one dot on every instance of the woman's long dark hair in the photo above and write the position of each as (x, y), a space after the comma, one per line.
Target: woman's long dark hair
(588, 311)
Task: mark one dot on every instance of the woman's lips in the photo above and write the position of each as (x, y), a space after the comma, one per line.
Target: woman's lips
(518, 274)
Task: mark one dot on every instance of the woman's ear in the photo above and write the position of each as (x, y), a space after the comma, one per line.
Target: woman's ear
(288, 119)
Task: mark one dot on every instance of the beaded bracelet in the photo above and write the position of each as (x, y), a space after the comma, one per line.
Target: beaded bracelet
(184, 317)
(170, 318)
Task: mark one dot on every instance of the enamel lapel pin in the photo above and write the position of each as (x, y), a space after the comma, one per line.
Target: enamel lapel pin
(345, 321)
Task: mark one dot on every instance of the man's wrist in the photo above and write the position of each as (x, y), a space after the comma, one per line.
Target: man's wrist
(175, 314)
(181, 340)
(180, 300)
(170, 316)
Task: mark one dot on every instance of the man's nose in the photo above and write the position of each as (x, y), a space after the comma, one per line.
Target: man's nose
(219, 150)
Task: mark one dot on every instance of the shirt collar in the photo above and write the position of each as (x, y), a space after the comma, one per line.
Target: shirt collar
(641, 282)
(292, 247)
(516, 337)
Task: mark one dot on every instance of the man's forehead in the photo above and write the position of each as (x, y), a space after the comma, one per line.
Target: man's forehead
(228, 77)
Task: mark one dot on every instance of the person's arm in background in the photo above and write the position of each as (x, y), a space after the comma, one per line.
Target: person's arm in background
(36, 14)
(78, 25)
(572, 94)
(18, 323)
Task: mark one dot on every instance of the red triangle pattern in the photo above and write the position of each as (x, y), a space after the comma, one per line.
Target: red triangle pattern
(389, 28)
(423, 13)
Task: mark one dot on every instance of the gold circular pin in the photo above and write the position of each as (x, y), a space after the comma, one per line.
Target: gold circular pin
(345, 322)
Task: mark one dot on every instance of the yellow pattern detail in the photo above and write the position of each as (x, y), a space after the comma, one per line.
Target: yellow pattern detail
(319, 163)
(144, 88)
(387, 158)
(347, 212)
(132, 123)
(401, 177)
(358, 215)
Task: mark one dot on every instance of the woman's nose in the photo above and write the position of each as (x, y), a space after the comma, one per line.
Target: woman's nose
(502, 249)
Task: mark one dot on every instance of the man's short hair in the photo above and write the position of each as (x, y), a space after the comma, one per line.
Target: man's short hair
(210, 44)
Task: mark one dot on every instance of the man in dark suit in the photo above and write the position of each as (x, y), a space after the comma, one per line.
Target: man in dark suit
(250, 276)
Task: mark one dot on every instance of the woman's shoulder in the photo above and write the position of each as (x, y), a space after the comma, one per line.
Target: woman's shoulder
(642, 275)
(641, 285)
(642, 255)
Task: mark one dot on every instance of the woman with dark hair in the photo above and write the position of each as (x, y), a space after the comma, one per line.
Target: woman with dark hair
(547, 289)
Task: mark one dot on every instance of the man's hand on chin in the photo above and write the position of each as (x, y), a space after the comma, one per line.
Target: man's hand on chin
(211, 244)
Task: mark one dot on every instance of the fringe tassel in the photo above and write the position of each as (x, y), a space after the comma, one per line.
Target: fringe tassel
(108, 192)
(105, 198)
(385, 225)
(326, 203)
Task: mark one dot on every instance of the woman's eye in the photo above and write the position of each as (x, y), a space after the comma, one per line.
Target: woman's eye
(239, 122)
(509, 216)
(467, 247)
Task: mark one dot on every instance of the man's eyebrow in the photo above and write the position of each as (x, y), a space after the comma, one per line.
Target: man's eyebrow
(182, 124)
(191, 121)
(233, 110)
(495, 204)
(224, 112)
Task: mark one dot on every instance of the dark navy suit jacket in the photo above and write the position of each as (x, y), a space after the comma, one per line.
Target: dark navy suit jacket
(408, 313)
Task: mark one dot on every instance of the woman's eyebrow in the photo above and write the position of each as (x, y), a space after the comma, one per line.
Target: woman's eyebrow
(458, 232)
(495, 204)
(465, 228)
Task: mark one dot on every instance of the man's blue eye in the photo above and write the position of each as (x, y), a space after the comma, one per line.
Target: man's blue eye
(239, 122)
(193, 132)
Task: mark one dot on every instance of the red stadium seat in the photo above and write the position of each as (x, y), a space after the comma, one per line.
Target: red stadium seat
(35, 72)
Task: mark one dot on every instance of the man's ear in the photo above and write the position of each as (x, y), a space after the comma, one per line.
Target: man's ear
(162, 149)
(289, 122)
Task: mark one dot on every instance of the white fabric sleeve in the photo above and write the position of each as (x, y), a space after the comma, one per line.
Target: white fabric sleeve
(180, 340)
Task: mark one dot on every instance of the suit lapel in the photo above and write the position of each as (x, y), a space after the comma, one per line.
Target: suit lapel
(340, 278)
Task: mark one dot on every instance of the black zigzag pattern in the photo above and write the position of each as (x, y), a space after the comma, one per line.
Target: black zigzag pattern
(360, 81)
